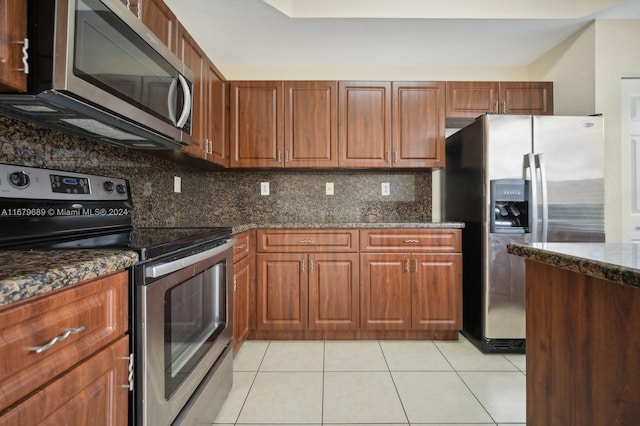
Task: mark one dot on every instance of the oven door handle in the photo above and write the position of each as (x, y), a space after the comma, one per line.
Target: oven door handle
(169, 267)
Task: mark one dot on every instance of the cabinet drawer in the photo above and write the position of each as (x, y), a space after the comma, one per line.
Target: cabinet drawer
(242, 248)
(97, 310)
(411, 240)
(308, 241)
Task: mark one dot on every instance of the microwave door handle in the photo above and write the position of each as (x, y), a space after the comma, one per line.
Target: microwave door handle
(530, 164)
(544, 194)
(171, 100)
(187, 102)
(176, 265)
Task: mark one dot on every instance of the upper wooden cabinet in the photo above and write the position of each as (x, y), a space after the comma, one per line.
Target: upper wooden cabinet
(161, 21)
(283, 124)
(470, 99)
(208, 122)
(13, 32)
(255, 131)
(310, 124)
(364, 124)
(418, 124)
(398, 124)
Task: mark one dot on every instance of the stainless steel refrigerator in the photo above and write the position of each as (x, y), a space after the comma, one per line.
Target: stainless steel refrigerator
(518, 178)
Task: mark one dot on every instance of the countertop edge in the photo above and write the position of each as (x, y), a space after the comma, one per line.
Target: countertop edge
(592, 261)
(236, 229)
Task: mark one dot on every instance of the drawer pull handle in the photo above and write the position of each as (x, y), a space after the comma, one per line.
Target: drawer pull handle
(412, 241)
(307, 241)
(241, 246)
(57, 339)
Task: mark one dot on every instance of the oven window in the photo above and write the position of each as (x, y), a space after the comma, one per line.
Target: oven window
(195, 314)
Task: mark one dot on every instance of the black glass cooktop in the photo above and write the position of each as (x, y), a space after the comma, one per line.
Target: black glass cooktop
(154, 242)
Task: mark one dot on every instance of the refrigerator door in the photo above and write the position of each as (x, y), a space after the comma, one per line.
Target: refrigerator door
(570, 154)
(507, 140)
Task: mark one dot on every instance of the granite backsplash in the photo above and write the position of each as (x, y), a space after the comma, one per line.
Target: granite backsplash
(225, 197)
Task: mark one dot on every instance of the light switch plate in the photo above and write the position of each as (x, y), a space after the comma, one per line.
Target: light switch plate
(386, 188)
(329, 188)
(264, 188)
(177, 184)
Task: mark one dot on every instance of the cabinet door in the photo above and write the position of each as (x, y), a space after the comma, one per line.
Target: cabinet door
(161, 21)
(526, 98)
(310, 124)
(195, 59)
(385, 291)
(93, 393)
(436, 291)
(471, 98)
(216, 116)
(334, 291)
(364, 124)
(13, 30)
(256, 124)
(243, 279)
(282, 294)
(418, 124)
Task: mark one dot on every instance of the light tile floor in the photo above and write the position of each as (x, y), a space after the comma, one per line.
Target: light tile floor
(374, 382)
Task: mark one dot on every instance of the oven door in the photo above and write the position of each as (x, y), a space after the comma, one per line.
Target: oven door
(183, 325)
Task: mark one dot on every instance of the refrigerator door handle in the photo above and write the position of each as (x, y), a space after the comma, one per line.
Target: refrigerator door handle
(530, 166)
(544, 195)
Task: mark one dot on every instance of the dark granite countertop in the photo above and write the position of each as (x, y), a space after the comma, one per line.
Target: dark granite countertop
(333, 225)
(27, 273)
(618, 262)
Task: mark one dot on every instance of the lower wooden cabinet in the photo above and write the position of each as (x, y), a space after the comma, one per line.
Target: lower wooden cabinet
(299, 291)
(93, 393)
(243, 282)
(393, 283)
(411, 291)
(81, 379)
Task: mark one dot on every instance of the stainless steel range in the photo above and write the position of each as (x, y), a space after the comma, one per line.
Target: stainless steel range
(181, 308)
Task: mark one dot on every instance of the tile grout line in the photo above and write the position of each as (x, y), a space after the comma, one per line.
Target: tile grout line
(404, 410)
(255, 376)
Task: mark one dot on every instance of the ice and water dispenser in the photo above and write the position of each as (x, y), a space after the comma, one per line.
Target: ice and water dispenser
(509, 206)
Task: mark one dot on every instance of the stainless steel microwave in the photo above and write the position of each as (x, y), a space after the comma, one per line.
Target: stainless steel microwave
(95, 70)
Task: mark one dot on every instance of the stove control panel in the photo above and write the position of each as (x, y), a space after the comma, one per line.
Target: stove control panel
(44, 184)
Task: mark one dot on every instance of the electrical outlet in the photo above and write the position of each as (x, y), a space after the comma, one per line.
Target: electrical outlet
(386, 188)
(177, 184)
(329, 188)
(264, 188)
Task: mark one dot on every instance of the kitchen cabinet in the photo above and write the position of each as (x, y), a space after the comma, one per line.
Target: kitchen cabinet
(470, 99)
(255, 131)
(208, 124)
(364, 130)
(13, 35)
(310, 124)
(418, 124)
(243, 285)
(284, 124)
(81, 379)
(391, 124)
(307, 280)
(411, 279)
(160, 20)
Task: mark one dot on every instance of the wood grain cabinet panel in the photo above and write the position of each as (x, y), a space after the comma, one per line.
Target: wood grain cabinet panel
(256, 124)
(92, 316)
(13, 31)
(161, 21)
(364, 124)
(411, 240)
(307, 240)
(243, 285)
(418, 124)
(470, 99)
(310, 124)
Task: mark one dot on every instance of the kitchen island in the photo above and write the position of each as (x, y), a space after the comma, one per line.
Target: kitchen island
(582, 313)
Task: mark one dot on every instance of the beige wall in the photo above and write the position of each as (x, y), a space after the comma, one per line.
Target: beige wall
(586, 70)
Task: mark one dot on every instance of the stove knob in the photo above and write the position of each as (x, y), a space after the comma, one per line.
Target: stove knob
(108, 186)
(19, 179)
(120, 188)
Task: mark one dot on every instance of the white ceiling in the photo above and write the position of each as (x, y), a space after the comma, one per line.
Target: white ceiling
(378, 33)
